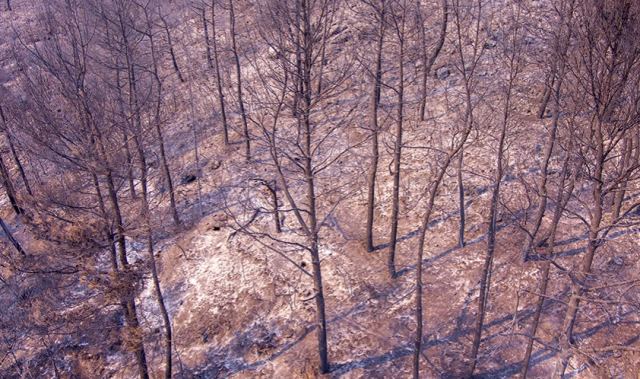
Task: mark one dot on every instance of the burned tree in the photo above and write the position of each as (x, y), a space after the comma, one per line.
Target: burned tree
(605, 86)
(379, 11)
(298, 147)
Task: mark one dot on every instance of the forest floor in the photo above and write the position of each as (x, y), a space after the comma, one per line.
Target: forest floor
(241, 311)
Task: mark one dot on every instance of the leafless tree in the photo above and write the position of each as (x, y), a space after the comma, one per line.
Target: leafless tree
(172, 53)
(14, 153)
(398, 16)
(605, 85)
(560, 40)
(428, 59)
(380, 11)
(467, 65)
(236, 58)
(298, 146)
(513, 65)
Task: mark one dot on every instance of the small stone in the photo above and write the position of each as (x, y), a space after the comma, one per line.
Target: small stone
(442, 73)
(188, 178)
(490, 44)
(616, 261)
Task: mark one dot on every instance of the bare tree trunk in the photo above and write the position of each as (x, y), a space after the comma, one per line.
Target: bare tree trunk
(549, 88)
(128, 297)
(297, 79)
(11, 238)
(468, 68)
(158, 126)
(321, 321)
(636, 144)
(125, 134)
(273, 191)
(234, 49)
(8, 187)
(461, 209)
(14, 153)
(375, 154)
(172, 52)
(223, 112)
(428, 61)
(323, 44)
(577, 284)
(433, 192)
(542, 185)
(152, 262)
(562, 199)
(276, 208)
(556, 80)
(311, 196)
(485, 281)
(129, 162)
(168, 338)
(624, 165)
(207, 41)
(397, 151)
(166, 321)
(167, 175)
(18, 163)
(417, 343)
(9, 5)
(103, 211)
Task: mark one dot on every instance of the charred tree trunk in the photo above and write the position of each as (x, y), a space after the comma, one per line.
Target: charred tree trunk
(297, 79)
(323, 44)
(11, 238)
(152, 261)
(417, 343)
(8, 187)
(113, 257)
(167, 175)
(433, 192)
(216, 61)
(492, 217)
(133, 121)
(273, 191)
(562, 198)
(128, 296)
(207, 41)
(461, 210)
(428, 61)
(577, 284)
(375, 154)
(158, 127)
(276, 208)
(236, 57)
(172, 53)
(18, 163)
(625, 163)
(542, 185)
(125, 134)
(129, 162)
(314, 226)
(397, 152)
(485, 281)
(168, 337)
(549, 88)
(14, 153)
(563, 37)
